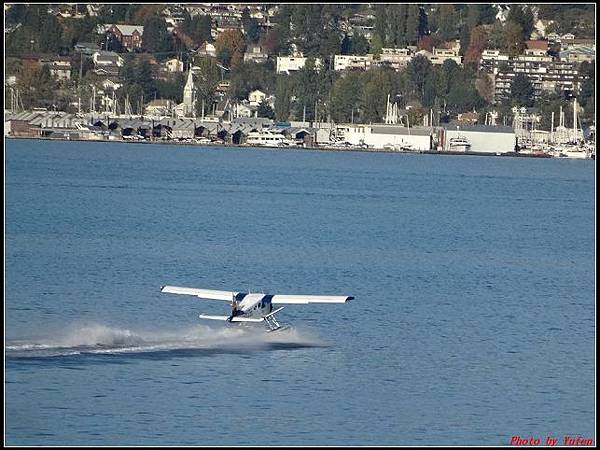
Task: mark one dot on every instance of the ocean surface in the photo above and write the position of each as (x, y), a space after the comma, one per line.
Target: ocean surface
(473, 319)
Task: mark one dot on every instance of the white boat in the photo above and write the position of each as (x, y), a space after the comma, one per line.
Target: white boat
(575, 152)
(269, 138)
(459, 144)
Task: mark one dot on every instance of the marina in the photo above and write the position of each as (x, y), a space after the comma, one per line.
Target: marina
(479, 140)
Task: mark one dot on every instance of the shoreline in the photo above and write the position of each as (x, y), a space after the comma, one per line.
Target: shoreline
(329, 149)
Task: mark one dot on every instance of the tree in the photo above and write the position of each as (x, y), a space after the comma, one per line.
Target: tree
(447, 19)
(36, 86)
(171, 88)
(283, 94)
(477, 45)
(523, 16)
(230, 46)
(273, 42)
(419, 68)
(360, 44)
(381, 22)
(250, 26)
(513, 38)
(376, 45)
(346, 97)
(485, 87)
(395, 17)
(265, 110)
(197, 28)
(250, 76)
(208, 77)
(521, 93)
(413, 23)
(156, 36)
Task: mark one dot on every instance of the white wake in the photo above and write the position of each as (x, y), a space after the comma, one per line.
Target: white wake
(103, 339)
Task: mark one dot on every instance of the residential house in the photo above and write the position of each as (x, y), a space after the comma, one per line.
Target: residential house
(87, 48)
(130, 36)
(207, 49)
(343, 62)
(287, 64)
(104, 58)
(491, 59)
(107, 63)
(174, 65)
(255, 53)
(397, 58)
(60, 66)
(536, 47)
(440, 55)
(256, 97)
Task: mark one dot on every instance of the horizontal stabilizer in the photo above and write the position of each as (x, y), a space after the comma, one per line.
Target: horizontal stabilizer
(209, 294)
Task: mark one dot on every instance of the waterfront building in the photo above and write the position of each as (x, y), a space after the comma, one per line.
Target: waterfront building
(384, 136)
(482, 138)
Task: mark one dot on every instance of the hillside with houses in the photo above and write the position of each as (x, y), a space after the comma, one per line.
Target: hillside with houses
(407, 65)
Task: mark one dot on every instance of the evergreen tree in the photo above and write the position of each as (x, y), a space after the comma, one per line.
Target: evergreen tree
(265, 110)
(250, 26)
(413, 23)
(283, 94)
(346, 97)
(360, 44)
(522, 92)
(447, 20)
(381, 23)
(523, 16)
(346, 45)
(376, 45)
(198, 28)
(156, 37)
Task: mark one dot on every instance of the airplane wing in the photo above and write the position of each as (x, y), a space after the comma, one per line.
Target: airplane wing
(306, 299)
(209, 294)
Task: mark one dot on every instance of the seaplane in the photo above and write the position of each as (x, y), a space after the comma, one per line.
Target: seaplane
(253, 307)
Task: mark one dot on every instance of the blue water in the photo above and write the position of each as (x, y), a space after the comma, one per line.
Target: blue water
(473, 319)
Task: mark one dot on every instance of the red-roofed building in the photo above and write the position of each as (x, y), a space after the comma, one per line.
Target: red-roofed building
(537, 48)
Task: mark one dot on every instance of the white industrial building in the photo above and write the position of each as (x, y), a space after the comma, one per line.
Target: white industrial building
(483, 138)
(386, 136)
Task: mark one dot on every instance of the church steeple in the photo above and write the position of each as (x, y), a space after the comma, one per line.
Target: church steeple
(189, 95)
